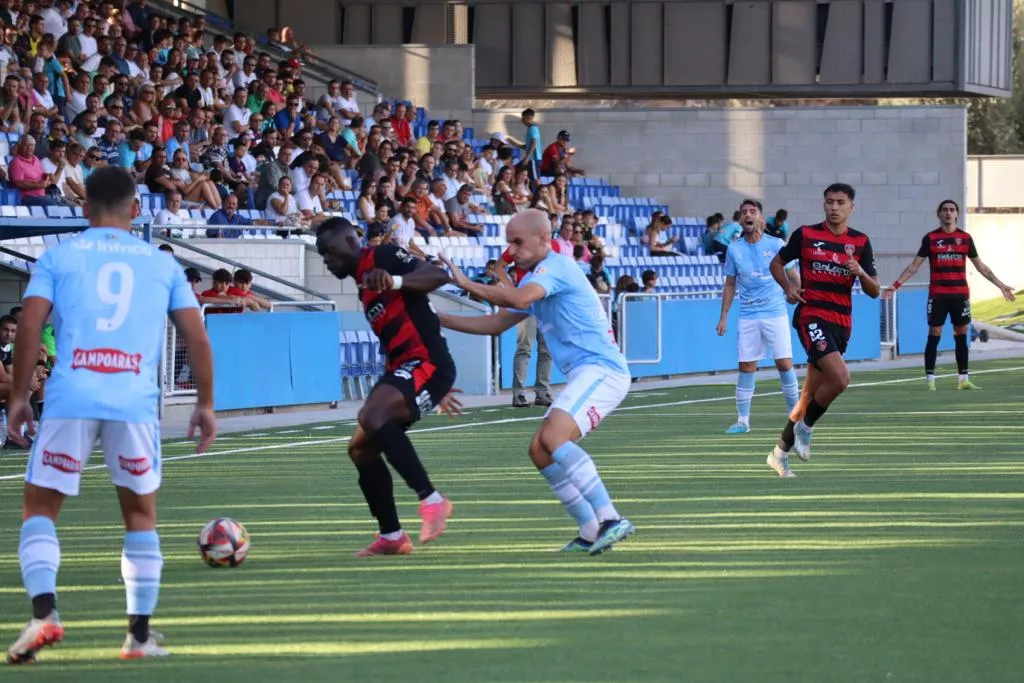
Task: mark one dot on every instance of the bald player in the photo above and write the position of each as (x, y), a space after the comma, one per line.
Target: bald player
(556, 292)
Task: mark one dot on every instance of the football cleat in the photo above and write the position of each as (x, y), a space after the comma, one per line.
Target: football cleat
(738, 428)
(39, 633)
(133, 649)
(435, 519)
(612, 531)
(382, 546)
(931, 385)
(968, 385)
(780, 463)
(802, 440)
(578, 545)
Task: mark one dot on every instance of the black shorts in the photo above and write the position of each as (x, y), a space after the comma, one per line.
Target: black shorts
(821, 338)
(422, 383)
(958, 308)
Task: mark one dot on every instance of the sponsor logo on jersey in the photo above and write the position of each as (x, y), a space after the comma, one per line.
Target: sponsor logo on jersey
(849, 249)
(940, 243)
(822, 345)
(375, 311)
(62, 462)
(106, 360)
(949, 257)
(818, 248)
(830, 268)
(958, 241)
(595, 417)
(133, 466)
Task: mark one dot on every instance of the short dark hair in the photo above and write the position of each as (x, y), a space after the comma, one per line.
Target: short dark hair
(193, 275)
(529, 112)
(409, 200)
(843, 188)
(166, 247)
(336, 224)
(752, 202)
(711, 220)
(243, 276)
(648, 275)
(948, 201)
(8, 319)
(781, 215)
(109, 189)
(15, 310)
(222, 275)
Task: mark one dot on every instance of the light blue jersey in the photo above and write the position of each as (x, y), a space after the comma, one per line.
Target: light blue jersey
(757, 291)
(111, 293)
(533, 135)
(571, 318)
(728, 233)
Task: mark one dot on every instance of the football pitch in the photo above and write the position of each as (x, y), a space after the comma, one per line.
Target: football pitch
(895, 555)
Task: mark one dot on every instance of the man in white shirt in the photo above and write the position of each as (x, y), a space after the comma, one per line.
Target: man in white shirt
(169, 215)
(236, 118)
(55, 18)
(340, 101)
(87, 39)
(403, 227)
(246, 74)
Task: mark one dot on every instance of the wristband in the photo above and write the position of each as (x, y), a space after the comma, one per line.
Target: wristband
(396, 282)
(896, 285)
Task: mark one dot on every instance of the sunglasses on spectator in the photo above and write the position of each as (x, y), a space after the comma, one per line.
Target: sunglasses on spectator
(95, 157)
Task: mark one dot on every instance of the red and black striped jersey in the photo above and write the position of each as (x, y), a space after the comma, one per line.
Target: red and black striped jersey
(827, 281)
(404, 321)
(947, 254)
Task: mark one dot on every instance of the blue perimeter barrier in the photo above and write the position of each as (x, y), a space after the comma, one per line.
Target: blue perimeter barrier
(912, 323)
(471, 353)
(690, 343)
(275, 359)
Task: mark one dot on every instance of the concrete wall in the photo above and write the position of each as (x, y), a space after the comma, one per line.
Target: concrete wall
(1000, 241)
(901, 160)
(439, 78)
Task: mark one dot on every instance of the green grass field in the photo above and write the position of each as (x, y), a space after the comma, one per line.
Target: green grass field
(1000, 311)
(896, 555)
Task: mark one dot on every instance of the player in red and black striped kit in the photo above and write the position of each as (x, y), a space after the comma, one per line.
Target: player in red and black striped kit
(419, 375)
(832, 257)
(947, 249)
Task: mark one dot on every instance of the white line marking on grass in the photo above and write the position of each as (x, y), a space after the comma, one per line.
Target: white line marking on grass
(288, 431)
(321, 427)
(508, 420)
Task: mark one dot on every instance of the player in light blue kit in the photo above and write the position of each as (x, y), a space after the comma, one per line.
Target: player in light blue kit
(110, 294)
(569, 314)
(764, 321)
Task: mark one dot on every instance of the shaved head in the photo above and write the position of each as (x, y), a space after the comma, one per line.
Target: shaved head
(529, 237)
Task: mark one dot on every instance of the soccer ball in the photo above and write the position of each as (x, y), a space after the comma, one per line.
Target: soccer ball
(223, 543)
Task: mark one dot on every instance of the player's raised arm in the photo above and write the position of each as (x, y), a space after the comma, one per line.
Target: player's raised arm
(487, 325)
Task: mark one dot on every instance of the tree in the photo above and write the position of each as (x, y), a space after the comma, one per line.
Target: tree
(996, 125)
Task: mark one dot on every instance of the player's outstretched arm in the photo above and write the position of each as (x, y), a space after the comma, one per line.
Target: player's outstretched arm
(35, 310)
(200, 356)
(425, 278)
(519, 297)
(907, 273)
(987, 273)
(488, 325)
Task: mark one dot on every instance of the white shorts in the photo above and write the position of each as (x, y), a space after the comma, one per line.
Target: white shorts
(590, 395)
(62, 447)
(758, 335)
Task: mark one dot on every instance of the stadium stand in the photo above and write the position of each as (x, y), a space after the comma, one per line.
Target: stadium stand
(210, 121)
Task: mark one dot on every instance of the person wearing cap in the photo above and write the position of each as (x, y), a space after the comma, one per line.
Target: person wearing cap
(557, 156)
